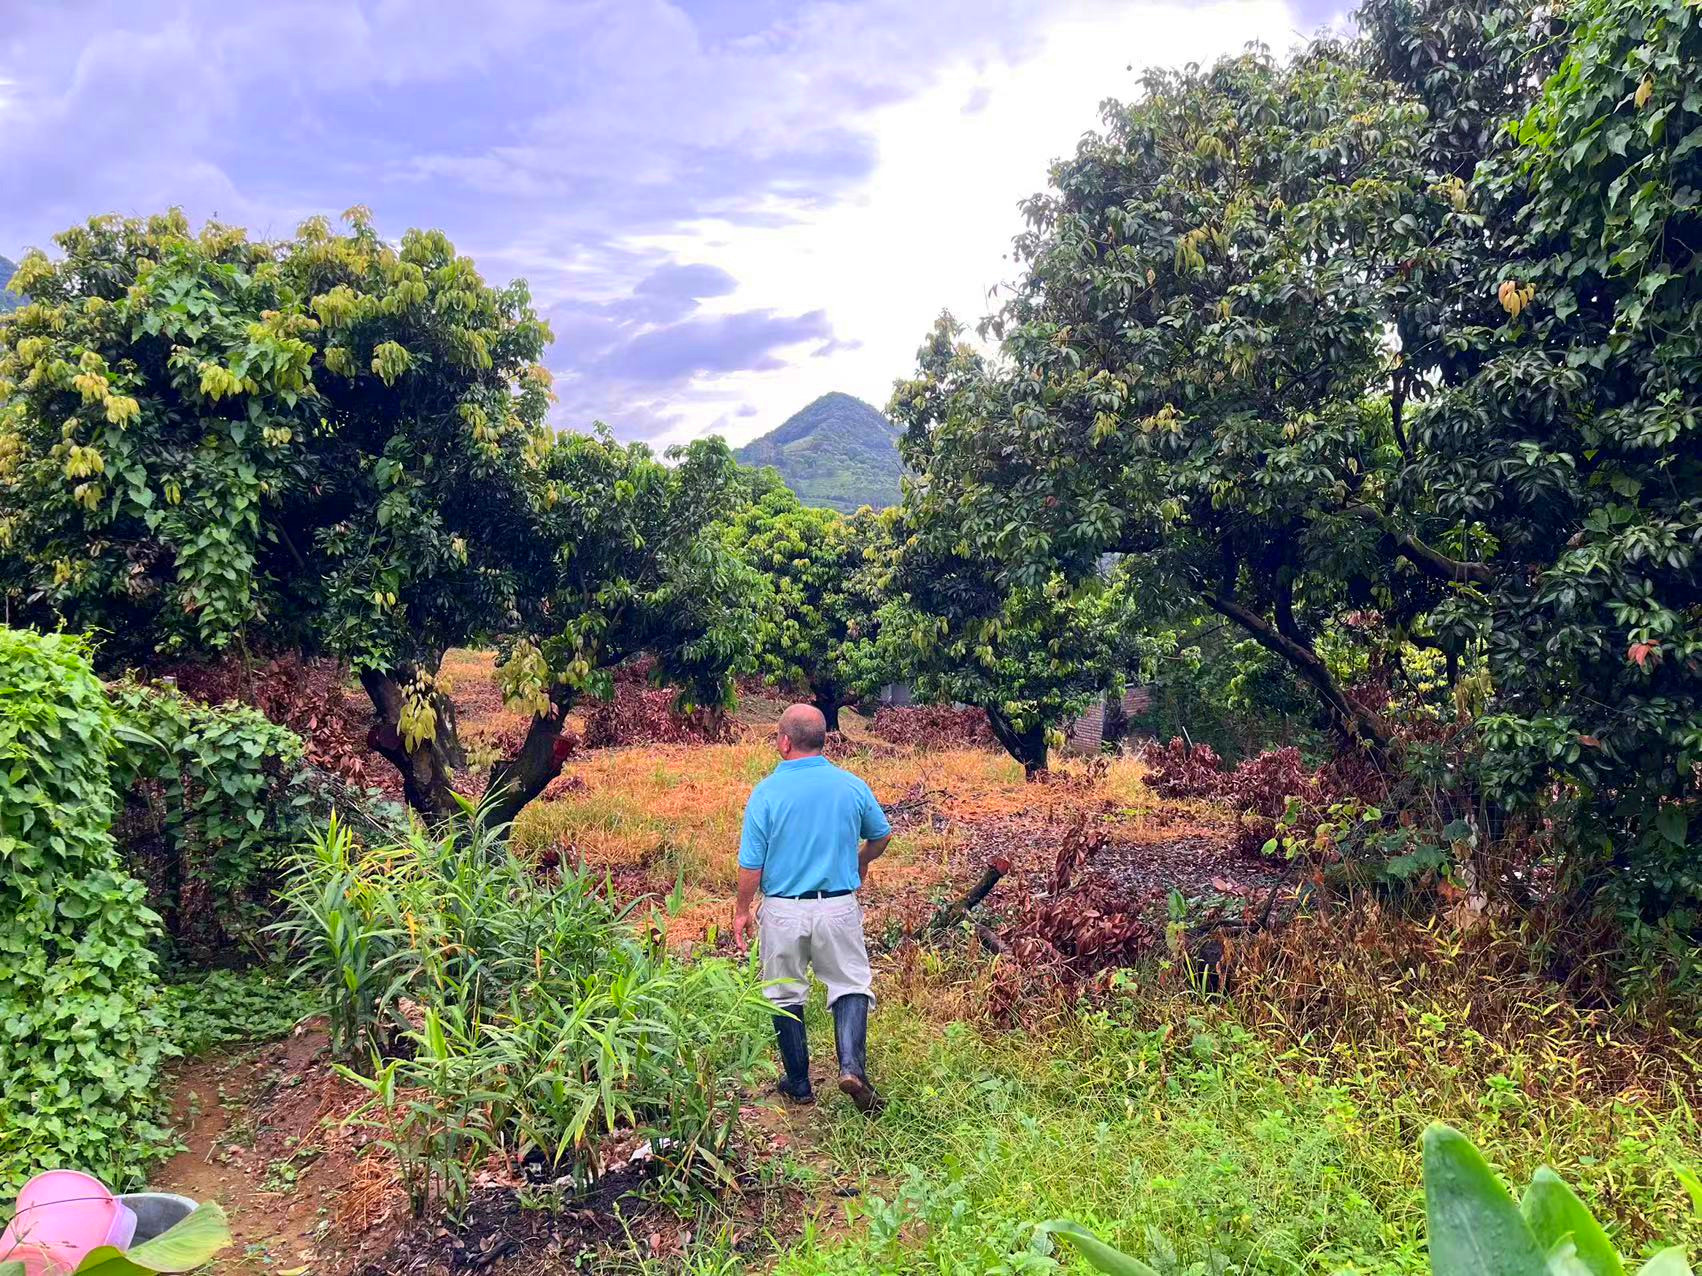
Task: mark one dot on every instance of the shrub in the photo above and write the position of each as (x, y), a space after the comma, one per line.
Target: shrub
(80, 1032)
(488, 1011)
(310, 697)
(216, 797)
(210, 1008)
(1268, 788)
(1181, 770)
(935, 726)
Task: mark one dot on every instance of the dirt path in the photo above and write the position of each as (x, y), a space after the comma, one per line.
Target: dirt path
(263, 1137)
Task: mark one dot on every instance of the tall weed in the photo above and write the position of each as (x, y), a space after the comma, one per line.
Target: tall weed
(487, 1011)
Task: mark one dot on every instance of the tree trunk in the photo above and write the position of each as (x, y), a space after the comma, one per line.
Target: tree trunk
(427, 780)
(1027, 746)
(516, 780)
(449, 734)
(827, 700)
(1354, 721)
(1116, 727)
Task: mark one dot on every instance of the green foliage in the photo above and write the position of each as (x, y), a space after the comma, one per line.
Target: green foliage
(217, 797)
(338, 444)
(837, 452)
(80, 1032)
(487, 1010)
(185, 1245)
(1210, 684)
(199, 452)
(1475, 1228)
(340, 946)
(212, 1008)
(1176, 1132)
(1100, 1256)
(1030, 656)
(817, 615)
(1324, 349)
(1573, 449)
(1187, 361)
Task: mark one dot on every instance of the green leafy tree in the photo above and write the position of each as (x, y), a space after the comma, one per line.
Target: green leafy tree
(1573, 453)
(818, 608)
(1043, 657)
(339, 445)
(1188, 363)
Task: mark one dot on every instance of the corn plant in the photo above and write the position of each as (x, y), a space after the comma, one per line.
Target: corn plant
(1474, 1226)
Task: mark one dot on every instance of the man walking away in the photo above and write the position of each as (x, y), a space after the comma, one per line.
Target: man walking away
(811, 831)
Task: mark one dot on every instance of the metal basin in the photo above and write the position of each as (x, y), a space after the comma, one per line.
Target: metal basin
(156, 1211)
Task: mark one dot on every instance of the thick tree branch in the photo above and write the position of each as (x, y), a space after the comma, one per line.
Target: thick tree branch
(516, 780)
(1397, 406)
(1354, 720)
(1027, 747)
(426, 774)
(1429, 561)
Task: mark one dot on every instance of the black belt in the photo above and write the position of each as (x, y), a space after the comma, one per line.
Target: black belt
(816, 895)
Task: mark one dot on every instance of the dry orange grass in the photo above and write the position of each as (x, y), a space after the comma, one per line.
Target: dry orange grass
(673, 813)
(677, 809)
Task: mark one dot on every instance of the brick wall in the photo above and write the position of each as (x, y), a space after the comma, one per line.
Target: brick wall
(1087, 732)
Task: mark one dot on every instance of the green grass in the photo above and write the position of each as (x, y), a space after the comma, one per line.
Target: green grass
(1193, 1141)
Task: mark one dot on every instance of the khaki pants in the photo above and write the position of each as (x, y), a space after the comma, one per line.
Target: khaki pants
(796, 935)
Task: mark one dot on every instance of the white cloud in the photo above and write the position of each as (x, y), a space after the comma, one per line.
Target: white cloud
(931, 228)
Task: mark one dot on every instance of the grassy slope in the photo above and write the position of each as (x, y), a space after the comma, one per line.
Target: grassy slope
(1168, 1125)
(837, 451)
(1172, 1121)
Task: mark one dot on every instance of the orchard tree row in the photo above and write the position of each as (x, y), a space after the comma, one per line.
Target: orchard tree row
(1383, 358)
(338, 446)
(1388, 356)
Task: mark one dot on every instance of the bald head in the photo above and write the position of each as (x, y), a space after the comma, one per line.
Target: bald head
(802, 731)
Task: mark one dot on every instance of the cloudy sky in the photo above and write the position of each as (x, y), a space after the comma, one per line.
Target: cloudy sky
(725, 207)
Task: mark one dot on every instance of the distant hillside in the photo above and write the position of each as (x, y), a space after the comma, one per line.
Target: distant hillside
(9, 300)
(837, 452)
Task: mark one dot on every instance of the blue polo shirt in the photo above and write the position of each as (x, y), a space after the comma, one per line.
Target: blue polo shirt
(804, 825)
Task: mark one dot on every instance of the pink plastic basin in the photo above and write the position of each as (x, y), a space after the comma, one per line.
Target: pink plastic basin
(61, 1216)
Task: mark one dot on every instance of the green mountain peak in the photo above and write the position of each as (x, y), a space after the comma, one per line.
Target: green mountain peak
(837, 451)
(9, 300)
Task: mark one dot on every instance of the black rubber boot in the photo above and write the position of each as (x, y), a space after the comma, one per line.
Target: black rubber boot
(851, 1036)
(794, 1053)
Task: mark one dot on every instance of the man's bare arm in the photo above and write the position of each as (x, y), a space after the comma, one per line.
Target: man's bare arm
(744, 917)
(872, 850)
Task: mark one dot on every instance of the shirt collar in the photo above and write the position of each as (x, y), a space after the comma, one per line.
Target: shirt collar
(795, 764)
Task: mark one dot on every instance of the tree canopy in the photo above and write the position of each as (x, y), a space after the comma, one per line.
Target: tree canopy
(1572, 455)
(340, 445)
(1325, 348)
(1185, 363)
(816, 615)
